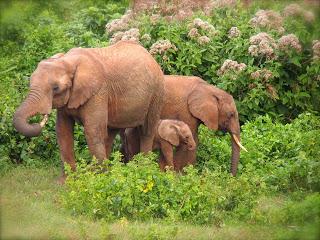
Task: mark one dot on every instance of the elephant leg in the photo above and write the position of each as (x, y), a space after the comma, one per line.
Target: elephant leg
(130, 143)
(146, 142)
(167, 153)
(162, 162)
(64, 130)
(148, 130)
(96, 134)
(184, 157)
(109, 140)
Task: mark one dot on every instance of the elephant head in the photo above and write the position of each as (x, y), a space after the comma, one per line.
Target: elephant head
(62, 80)
(176, 133)
(217, 110)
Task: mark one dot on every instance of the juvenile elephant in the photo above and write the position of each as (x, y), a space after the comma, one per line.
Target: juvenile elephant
(170, 133)
(194, 101)
(110, 88)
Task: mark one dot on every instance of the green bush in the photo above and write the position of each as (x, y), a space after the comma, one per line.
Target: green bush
(286, 156)
(207, 193)
(140, 191)
(283, 159)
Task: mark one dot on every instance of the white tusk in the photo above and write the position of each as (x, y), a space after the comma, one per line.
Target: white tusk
(238, 142)
(44, 120)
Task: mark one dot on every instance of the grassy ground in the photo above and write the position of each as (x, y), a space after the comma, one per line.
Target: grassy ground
(30, 209)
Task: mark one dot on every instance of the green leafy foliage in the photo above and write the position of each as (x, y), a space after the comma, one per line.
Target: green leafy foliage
(140, 191)
(285, 156)
(206, 193)
(283, 159)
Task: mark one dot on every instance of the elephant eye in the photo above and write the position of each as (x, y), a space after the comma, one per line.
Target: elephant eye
(230, 115)
(56, 88)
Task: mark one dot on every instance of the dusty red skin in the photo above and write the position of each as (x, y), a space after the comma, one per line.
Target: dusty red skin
(193, 101)
(102, 88)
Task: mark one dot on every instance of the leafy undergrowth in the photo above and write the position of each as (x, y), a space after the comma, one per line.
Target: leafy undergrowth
(285, 157)
(31, 209)
(282, 160)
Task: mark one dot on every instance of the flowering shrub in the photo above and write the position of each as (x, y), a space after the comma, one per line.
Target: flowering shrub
(295, 10)
(119, 24)
(161, 47)
(230, 65)
(266, 41)
(234, 32)
(132, 34)
(268, 19)
(262, 45)
(316, 49)
(288, 43)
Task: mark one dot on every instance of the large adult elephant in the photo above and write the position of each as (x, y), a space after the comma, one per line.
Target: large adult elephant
(193, 101)
(104, 89)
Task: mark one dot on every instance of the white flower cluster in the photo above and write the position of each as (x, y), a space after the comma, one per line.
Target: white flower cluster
(288, 42)
(119, 24)
(203, 40)
(154, 18)
(142, 5)
(161, 46)
(132, 34)
(292, 9)
(146, 37)
(263, 74)
(204, 25)
(183, 14)
(234, 32)
(199, 24)
(309, 16)
(224, 3)
(262, 45)
(230, 65)
(268, 19)
(296, 10)
(193, 33)
(316, 49)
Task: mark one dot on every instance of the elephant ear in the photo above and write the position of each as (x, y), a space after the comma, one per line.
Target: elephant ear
(169, 132)
(88, 77)
(204, 106)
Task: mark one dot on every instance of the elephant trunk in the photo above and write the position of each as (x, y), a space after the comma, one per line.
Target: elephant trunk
(31, 106)
(235, 153)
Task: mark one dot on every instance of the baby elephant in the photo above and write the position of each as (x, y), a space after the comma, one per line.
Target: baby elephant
(170, 133)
